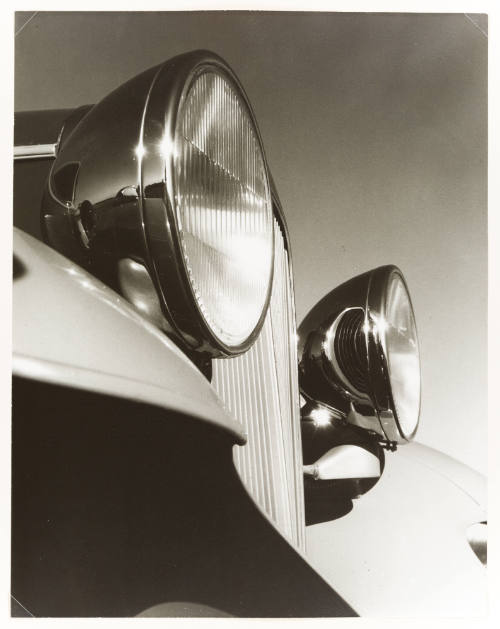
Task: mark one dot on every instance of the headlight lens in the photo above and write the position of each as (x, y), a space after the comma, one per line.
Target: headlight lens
(223, 206)
(399, 338)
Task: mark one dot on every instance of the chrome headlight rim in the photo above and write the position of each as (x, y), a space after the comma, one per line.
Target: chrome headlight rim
(378, 362)
(161, 230)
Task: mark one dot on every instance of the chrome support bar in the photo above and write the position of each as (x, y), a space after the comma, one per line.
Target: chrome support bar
(35, 151)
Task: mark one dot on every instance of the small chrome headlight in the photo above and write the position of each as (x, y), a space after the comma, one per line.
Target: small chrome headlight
(359, 354)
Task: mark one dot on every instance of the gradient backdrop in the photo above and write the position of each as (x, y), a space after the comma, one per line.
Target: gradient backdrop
(375, 128)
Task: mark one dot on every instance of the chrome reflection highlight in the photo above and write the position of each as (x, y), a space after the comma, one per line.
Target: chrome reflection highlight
(320, 416)
(140, 151)
(223, 207)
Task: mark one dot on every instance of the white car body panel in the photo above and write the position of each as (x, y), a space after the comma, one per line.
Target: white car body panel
(70, 329)
(402, 551)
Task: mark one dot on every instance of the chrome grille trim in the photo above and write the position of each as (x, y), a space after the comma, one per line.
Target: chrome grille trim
(261, 389)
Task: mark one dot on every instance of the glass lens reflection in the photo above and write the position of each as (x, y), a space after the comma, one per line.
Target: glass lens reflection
(402, 355)
(223, 207)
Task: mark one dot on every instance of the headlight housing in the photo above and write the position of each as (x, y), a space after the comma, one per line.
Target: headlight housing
(169, 171)
(359, 354)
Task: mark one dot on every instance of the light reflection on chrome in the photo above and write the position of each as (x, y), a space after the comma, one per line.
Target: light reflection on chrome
(320, 417)
(140, 151)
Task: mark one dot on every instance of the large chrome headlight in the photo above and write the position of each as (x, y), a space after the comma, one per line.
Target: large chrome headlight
(359, 354)
(169, 171)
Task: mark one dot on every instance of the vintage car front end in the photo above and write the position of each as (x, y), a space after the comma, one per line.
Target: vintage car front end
(166, 460)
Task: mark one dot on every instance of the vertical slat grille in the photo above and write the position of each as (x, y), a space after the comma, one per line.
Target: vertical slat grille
(261, 389)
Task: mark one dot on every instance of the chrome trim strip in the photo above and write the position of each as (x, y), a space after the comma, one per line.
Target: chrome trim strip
(35, 151)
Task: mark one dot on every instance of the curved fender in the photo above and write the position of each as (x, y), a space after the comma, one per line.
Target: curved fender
(71, 329)
(403, 550)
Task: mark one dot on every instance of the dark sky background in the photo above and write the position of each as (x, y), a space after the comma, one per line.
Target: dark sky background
(375, 129)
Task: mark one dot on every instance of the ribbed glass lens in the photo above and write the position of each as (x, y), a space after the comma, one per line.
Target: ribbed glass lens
(402, 354)
(223, 207)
